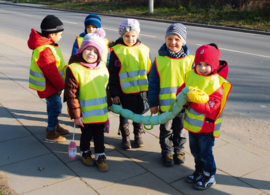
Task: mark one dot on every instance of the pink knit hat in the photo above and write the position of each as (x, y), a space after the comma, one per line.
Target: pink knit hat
(129, 25)
(96, 40)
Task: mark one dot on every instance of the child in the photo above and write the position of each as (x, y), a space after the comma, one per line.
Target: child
(46, 72)
(203, 121)
(128, 66)
(85, 91)
(166, 76)
(92, 22)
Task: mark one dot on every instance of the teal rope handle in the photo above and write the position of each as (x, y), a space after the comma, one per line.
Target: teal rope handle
(152, 126)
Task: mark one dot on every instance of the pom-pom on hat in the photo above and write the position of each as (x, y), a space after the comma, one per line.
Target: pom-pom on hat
(51, 24)
(210, 55)
(96, 40)
(92, 19)
(178, 29)
(129, 25)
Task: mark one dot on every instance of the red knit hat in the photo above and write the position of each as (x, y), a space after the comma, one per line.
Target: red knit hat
(208, 54)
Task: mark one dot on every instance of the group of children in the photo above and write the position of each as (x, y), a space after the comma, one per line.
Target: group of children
(132, 81)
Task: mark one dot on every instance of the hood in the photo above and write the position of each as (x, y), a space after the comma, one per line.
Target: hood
(163, 50)
(36, 40)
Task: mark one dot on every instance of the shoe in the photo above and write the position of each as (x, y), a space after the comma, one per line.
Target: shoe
(138, 131)
(195, 177)
(125, 136)
(53, 136)
(206, 182)
(167, 160)
(101, 164)
(138, 143)
(179, 158)
(87, 158)
(61, 130)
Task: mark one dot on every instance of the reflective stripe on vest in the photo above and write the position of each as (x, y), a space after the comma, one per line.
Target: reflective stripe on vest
(171, 73)
(105, 51)
(194, 120)
(37, 80)
(92, 92)
(135, 65)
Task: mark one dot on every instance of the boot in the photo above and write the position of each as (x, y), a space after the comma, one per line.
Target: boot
(138, 131)
(179, 158)
(87, 159)
(53, 136)
(167, 160)
(61, 130)
(125, 136)
(101, 164)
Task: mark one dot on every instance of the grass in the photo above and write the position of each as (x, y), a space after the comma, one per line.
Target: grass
(225, 16)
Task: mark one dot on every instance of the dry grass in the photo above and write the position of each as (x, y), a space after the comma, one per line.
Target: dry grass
(4, 188)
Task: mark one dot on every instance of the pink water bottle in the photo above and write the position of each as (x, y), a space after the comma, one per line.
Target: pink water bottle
(72, 148)
(107, 126)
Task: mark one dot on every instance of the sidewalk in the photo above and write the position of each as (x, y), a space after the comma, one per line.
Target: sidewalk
(35, 166)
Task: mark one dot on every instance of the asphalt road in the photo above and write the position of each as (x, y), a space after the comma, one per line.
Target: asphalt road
(247, 54)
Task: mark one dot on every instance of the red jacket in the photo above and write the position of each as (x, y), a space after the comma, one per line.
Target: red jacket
(210, 108)
(47, 64)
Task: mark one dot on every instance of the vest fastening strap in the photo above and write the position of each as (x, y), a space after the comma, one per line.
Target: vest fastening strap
(98, 101)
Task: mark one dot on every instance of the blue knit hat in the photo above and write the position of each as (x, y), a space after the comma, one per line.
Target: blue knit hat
(178, 29)
(92, 19)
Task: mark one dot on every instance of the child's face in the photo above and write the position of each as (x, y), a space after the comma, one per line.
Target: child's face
(130, 38)
(91, 28)
(90, 54)
(203, 68)
(174, 43)
(55, 37)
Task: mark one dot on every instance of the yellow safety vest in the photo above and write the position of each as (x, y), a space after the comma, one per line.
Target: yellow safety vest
(172, 74)
(194, 120)
(92, 92)
(135, 65)
(105, 51)
(37, 80)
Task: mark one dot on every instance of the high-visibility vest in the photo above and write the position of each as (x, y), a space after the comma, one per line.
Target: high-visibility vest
(37, 80)
(105, 51)
(135, 65)
(209, 84)
(92, 92)
(172, 74)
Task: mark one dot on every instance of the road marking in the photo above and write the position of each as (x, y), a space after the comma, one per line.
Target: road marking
(69, 22)
(140, 34)
(252, 54)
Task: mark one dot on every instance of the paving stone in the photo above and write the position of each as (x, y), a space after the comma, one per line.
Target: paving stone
(228, 156)
(26, 176)
(20, 149)
(120, 167)
(225, 185)
(259, 178)
(12, 131)
(153, 163)
(144, 184)
(16, 95)
(70, 186)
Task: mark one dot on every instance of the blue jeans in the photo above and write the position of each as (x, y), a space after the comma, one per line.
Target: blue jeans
(201, 145)
(54, 107)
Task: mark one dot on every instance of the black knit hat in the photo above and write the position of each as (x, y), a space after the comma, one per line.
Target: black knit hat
(51, 24)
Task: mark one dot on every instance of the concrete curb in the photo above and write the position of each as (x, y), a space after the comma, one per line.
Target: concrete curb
(154, 20)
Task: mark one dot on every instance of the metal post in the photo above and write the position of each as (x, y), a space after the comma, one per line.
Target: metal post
(151, 6)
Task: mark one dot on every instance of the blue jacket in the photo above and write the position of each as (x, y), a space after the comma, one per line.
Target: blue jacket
(153, 90)
(75, 45)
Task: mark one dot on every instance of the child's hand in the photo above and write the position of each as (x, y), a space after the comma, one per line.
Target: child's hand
(59, 93)
(188, 99)
(116, 100)
(154, 109)
(79, 121)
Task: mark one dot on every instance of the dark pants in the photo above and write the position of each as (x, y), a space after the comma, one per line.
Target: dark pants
(54, 107)
(95, 131)
(201, 145)
(172, 136)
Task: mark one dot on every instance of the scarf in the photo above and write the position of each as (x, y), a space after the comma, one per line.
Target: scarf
(179, 54)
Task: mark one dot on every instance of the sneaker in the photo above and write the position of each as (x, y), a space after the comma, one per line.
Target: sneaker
(167, 160)
(206, 182)
(53, 136)
(61, 130)
(101, 164)
(179, 158)
(87, 159)
(194, 178)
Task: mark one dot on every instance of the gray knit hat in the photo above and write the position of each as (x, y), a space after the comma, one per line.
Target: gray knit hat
(178, 29)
